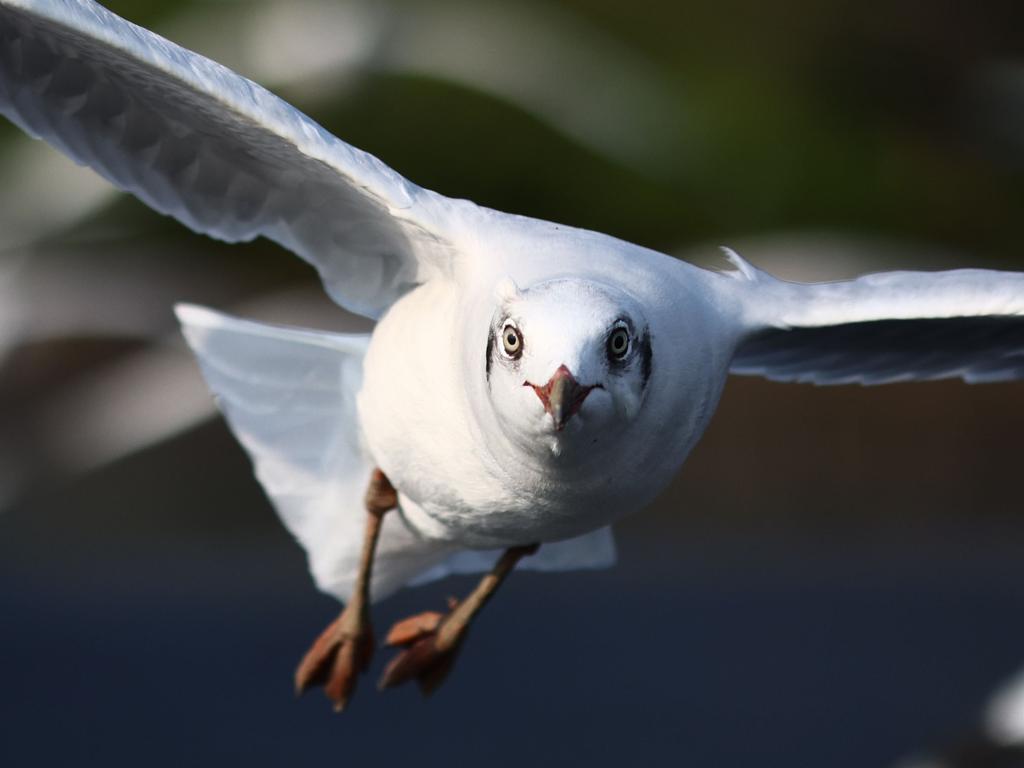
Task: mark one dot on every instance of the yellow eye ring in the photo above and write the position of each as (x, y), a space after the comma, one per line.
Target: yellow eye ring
(511, 341)
(618, 344)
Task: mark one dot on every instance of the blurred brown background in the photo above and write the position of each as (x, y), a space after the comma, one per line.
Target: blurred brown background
(836, 576)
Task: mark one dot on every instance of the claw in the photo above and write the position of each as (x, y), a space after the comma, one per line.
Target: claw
(337, 657)
(345, 648)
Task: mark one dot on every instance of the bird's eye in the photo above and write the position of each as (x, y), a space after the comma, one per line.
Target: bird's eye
(512, 341)
(618, 344)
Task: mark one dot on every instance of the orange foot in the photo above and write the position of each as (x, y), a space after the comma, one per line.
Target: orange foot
(431, 641)
(336, 659)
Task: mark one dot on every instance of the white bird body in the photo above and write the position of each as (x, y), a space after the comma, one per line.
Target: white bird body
(425, 411)
(526, 381)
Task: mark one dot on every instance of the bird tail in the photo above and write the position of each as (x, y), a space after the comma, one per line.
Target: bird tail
(289, 395)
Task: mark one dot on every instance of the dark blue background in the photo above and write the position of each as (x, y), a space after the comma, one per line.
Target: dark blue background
(155, 611)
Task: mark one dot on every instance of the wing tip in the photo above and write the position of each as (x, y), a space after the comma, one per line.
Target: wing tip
(23, 5)
(193, 314)
(742, 269)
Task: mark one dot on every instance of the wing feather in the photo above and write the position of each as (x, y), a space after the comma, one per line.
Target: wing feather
(289, 397)
(214, 150)
(882, 328)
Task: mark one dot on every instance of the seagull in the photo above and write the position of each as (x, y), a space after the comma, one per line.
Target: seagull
(526, 383)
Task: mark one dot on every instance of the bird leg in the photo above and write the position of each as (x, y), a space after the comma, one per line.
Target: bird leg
(345, 648)
(432, 640)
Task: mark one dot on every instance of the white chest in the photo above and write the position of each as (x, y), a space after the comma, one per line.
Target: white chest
(461, 478)
(414, 414)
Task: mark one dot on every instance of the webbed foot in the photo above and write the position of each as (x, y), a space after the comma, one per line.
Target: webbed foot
(431, 643)
(337, 658)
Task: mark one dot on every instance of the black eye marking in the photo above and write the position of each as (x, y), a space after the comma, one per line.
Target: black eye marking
(646, 356)
(490, 354)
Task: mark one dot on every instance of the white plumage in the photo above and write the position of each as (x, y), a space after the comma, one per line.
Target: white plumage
(290, 398)
(456, 420)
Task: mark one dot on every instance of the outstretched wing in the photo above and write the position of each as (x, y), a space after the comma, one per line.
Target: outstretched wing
(219, 153)
(887, 327)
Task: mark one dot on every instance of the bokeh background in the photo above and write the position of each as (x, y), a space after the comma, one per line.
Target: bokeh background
(836, 578)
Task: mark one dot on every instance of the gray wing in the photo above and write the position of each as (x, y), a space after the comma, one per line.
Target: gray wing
(216, 151)
(894, 326)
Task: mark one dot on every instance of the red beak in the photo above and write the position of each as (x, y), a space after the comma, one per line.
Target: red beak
(562, 396)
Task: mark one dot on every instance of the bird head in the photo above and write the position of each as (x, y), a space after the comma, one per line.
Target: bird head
(568, 361)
